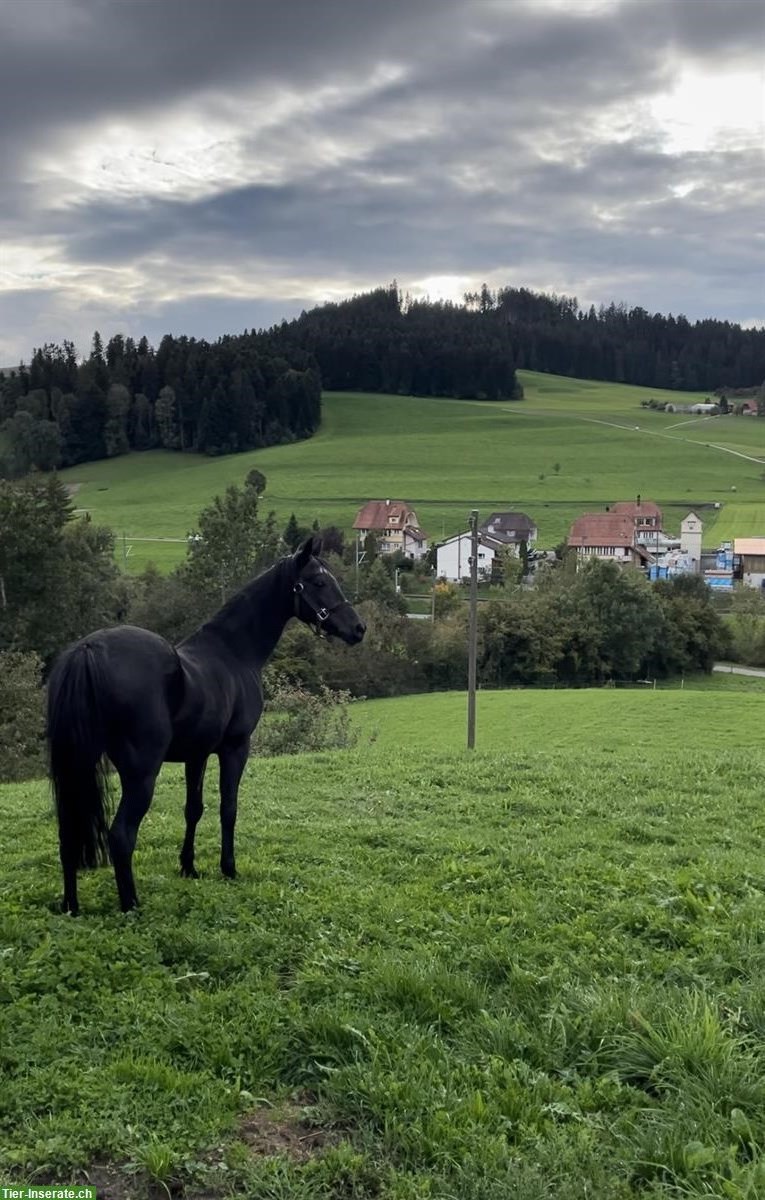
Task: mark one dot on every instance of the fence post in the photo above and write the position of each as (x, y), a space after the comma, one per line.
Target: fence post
(473, 628)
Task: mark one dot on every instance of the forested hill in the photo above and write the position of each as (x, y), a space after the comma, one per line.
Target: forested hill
(383, 341)
(264, 387)
(186, 395)
(624, 345)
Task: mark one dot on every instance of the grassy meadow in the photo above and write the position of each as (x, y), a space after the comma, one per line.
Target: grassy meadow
(448, 456)
(533, 973)
(726, 709)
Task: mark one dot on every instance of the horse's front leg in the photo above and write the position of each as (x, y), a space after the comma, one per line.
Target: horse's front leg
(195, 775)
(232, 758)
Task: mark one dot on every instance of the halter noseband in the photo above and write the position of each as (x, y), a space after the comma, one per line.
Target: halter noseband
(321, 614)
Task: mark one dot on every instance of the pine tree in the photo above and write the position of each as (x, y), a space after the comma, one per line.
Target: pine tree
(294, 535)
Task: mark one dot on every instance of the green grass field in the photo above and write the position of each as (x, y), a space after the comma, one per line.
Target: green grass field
(447, 456)
(727, 709)
(533, 973)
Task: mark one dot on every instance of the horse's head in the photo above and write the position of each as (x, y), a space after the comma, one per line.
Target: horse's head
(319, 601)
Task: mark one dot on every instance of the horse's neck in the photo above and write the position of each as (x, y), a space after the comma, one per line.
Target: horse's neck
(253, 620)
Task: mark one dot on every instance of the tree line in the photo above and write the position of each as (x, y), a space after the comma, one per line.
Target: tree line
(187, 395)
(623, 345)
(384, 341)
(264, 387)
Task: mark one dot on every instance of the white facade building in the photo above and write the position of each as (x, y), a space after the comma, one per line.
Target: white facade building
(691, 531)
(453, 557)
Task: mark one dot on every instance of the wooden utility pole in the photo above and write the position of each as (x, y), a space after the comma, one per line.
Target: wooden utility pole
(473, 628)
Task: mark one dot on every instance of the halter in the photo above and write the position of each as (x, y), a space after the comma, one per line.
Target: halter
(321, 614)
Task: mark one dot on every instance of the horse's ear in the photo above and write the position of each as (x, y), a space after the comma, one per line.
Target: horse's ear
(304, 552)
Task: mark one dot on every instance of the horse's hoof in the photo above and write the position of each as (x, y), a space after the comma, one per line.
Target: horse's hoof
(189, 872)
(229, 872)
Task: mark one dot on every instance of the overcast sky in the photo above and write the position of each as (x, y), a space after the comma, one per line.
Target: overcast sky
(205, 166)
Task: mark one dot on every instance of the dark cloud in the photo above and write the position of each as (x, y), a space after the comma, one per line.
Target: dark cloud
(351, 142)
(87, 58)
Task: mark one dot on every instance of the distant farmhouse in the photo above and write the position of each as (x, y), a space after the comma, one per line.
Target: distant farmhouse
(395, 526)
(620, 534)
(701, 410)
(611, 536)
(630, 533)
(500, 531)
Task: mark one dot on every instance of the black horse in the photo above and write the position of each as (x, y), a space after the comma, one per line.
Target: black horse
(128, 696)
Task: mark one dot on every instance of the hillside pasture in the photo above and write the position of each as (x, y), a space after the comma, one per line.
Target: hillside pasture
(535, 972)
(568, 446)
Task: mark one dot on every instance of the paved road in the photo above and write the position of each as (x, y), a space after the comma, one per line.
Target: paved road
(731, 669)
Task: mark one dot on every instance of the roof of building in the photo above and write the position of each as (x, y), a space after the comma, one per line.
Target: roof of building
(634, 508)
(691, 516)
(382, 514)
(602, 529)
(750, 545)
(485, 539)
(416, 534)
(507, 522)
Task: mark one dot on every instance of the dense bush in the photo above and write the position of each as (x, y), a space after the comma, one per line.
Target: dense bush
(21, 717)
(297, 721)
(747, 626)
(384, 664)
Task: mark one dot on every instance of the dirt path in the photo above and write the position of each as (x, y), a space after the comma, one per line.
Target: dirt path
(672, 437)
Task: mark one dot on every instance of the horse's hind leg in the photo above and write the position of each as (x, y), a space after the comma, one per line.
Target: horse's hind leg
(69, 867)
(195, 774)
(137, 791)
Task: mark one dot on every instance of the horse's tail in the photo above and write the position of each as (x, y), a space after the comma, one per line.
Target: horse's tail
(76, 745)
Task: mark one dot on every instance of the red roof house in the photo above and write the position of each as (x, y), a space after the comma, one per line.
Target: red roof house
(609, 536)
(644, 514)
(395, 524)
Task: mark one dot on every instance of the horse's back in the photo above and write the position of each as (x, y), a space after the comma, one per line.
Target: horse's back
(128, 656)
(137, 676)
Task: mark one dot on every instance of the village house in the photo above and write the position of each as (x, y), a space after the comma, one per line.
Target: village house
(611, 536)
(501, 531)
(751, 553)
(395, 526)
(453, 556)
(644, 514)
(512, 529)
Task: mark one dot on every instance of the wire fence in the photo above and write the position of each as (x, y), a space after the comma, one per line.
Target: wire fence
(745, 682)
